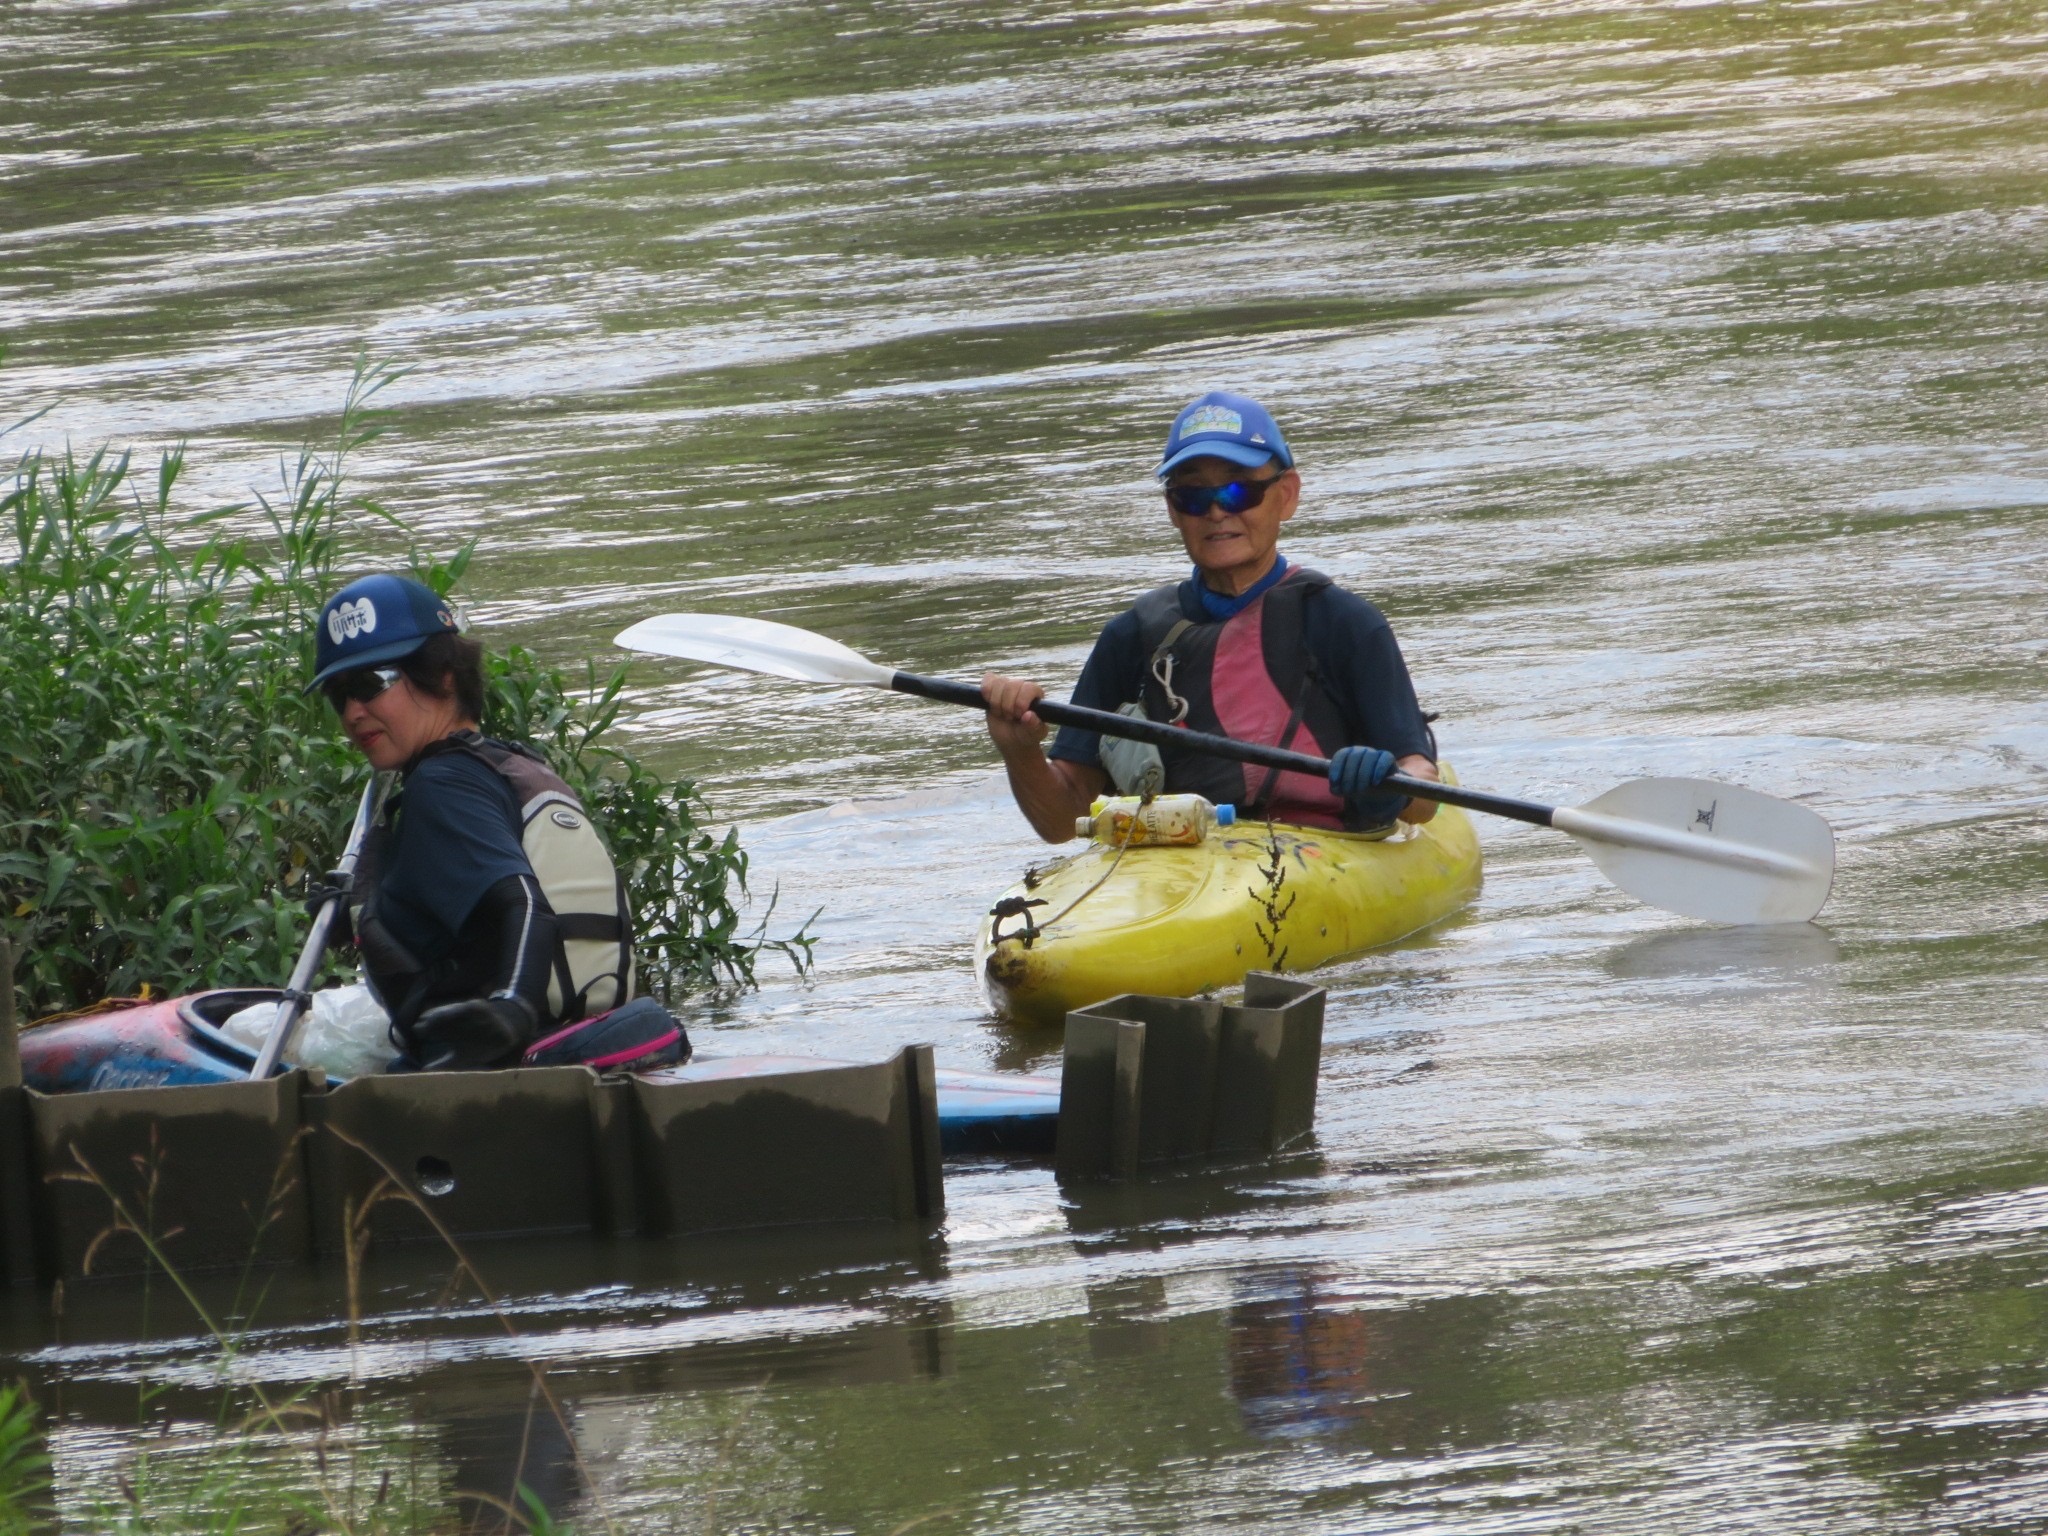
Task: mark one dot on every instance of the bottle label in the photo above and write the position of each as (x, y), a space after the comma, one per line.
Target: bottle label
(1124, 821)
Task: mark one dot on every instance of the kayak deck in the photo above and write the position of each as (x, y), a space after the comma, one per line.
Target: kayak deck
(1175, 921)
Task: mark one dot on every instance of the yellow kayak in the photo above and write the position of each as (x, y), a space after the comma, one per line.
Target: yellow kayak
(1174, 921)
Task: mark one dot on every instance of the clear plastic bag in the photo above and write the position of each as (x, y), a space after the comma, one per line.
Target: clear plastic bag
(344, 1033)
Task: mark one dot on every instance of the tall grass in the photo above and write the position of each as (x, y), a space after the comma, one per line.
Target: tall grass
(167, 793)
(319, 1458)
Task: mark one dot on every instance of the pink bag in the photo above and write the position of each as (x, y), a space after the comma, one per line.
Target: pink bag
(636, 1037)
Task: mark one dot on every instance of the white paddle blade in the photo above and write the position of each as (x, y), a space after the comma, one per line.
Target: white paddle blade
(753, 645)
(1708, 850)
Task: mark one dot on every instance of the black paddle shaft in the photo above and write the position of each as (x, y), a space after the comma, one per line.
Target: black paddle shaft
(1161, 735)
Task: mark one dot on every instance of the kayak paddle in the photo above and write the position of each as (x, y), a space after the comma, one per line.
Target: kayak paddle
(1691, 846)
(296, 1000)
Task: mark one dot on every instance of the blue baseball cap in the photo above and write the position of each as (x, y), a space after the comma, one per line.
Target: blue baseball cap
(1225, 426)
(376, 619)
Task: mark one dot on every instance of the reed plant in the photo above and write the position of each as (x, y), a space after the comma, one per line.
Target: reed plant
(324, 1457)
(167, 792)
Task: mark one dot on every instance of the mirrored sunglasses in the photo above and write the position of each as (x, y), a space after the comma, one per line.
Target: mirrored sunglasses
(1237, 496)
(362, 685)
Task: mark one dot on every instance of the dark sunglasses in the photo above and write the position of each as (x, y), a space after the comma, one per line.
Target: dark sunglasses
(361, 686)
(1237, 496)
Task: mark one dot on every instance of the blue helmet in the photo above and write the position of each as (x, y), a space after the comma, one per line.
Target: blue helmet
(1224, 426)
(376, 619)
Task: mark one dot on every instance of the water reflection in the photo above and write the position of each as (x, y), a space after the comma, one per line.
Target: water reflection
(454, 1402)
(1782, 952)
(1312, 1360)
(1300, 1367)
(638, 1310)
(504, 1457)
(1126, 1318)
(1169, 1205)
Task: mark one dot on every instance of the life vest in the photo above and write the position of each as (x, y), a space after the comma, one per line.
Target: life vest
(592, 969)
(1252, 678)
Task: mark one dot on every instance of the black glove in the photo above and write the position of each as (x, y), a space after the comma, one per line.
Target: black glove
(333, 887)
(473, 1035)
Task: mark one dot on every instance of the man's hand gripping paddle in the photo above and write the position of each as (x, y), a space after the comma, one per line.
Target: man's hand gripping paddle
(1690, 846)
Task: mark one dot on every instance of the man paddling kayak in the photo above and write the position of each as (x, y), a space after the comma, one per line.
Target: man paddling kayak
(467, 947)
(1249, 646)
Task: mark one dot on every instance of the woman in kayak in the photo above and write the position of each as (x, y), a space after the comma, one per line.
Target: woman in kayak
(485, 905)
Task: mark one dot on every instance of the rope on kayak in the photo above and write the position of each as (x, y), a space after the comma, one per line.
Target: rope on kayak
(1130, 831)
(1016, 906)
(104, 1005)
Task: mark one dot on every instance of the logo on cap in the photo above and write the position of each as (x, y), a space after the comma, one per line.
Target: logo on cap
(347, 620)
(1211, 418)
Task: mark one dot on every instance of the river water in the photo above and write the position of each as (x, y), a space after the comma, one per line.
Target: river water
(1670, 373)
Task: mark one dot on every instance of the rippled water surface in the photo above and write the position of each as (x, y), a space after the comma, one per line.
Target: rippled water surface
(1671, 374)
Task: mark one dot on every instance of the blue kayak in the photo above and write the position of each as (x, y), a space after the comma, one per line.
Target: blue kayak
(178, 1041)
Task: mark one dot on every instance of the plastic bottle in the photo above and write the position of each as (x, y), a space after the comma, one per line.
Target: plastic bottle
(1174, 821)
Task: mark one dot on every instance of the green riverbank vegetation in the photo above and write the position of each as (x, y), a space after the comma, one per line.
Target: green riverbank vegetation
(167, 792)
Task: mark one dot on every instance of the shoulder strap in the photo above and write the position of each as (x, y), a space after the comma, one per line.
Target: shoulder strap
(534, 783)
(485, 749)
(1164, 648)
(1160, 621)
(1298, 587)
